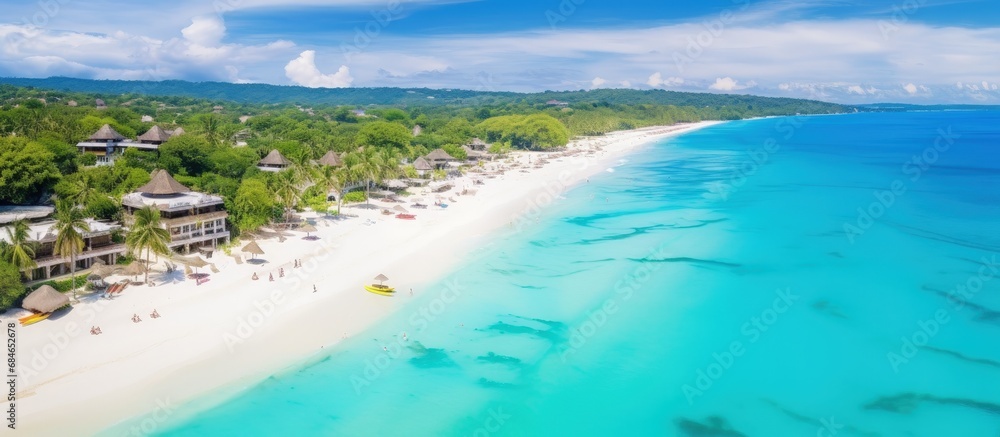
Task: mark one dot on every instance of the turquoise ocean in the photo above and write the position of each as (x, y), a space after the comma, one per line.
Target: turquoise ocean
(799, 276)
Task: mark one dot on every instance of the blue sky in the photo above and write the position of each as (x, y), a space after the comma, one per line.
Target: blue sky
(920, 51)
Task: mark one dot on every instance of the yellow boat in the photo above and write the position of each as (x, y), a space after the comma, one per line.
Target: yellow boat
(384, 290)
(35, 319)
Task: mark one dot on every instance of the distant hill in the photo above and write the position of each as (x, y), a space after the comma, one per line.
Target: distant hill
(261, 93)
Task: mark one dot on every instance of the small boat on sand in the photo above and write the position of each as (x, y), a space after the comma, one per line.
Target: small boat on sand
(380, 288)
(35, 318)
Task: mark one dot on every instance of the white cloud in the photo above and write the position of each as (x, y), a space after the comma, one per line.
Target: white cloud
(626, 84)
(656, 80)
(303, 71)
(910, 88)
(205, 31)
(597, 82)
(730, 84)
(856, 89)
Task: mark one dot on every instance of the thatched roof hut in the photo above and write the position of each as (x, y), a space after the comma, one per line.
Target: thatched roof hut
(154, 135)
(439, 158)
(421, 164)
(331, 159)
(176, 132)
(162, 184)
(45, 300)
(106, 133)
(274, 161)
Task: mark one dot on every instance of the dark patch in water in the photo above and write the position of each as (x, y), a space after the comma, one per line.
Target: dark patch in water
(507, 328)
(510, 272)
(836, 254)
(593, 261)
(819, 424)
(499, 359)
(684, 259)
(959, 355)
(635, 231)
(714, 426)
(489, 383)
(530, 287)
(432, 358)
(906, 403)
(917, 232)
(985, 314)
(824, 306)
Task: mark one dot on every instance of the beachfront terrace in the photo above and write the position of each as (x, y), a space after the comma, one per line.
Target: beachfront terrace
(98, 244)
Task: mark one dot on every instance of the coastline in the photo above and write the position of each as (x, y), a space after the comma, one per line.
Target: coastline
(198, 347)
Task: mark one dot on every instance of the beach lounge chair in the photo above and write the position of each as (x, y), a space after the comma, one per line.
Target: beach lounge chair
(239, 260)
(214, 268)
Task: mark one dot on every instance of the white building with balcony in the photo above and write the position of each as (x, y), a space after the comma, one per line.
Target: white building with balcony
(196, 221)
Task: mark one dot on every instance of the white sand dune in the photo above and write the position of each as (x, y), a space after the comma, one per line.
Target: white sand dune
(232, 331)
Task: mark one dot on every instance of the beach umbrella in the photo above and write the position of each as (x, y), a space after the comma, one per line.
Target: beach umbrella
(194, 261)
(45, 299)
(381, 278)
(104, 271)
(135, 269)
(307, 228)
(253, 248)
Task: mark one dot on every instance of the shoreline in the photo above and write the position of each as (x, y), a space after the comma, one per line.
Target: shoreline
(230, 333)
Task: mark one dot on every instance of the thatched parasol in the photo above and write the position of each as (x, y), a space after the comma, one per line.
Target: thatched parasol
(45, 300)
(106, 133)
(134, 269)
(381, 278)
(253, 248)
(275, 159)
(307, 228)
(192, 261)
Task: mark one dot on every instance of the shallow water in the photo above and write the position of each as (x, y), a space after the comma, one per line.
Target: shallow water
(723, 283)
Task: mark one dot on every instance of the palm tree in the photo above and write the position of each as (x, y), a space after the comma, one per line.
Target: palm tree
(285, 186)
(329, 178)
(18, 250)
(70, 226)
(84, 190)
(146, 233)
(371, 166)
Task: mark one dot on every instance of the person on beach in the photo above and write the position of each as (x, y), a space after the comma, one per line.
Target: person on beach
(254, 277)
(314, 288)
(93, 330)
(99, 332)
(154, 314)
(135, 318)
(281, 272)
(270, 277)
(411, 292)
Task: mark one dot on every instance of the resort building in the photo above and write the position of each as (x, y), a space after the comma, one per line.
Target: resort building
(109, 145)
(439, 158)
(274, 161)
(98, 244)
(422, 166)
(195, 220)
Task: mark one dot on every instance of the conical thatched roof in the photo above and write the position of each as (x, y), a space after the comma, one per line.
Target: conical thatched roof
(307, 228)
(331, 159)
(161, 183)
(422, 164)
(381, 278)
(178, 131)
(45, 300)
(106, 133)
(275, 159)
(154, 135)
(134, 269)
(439, 155)
(253, 248)
(193, 261)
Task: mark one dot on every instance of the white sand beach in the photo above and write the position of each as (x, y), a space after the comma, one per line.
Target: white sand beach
(231, 331)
